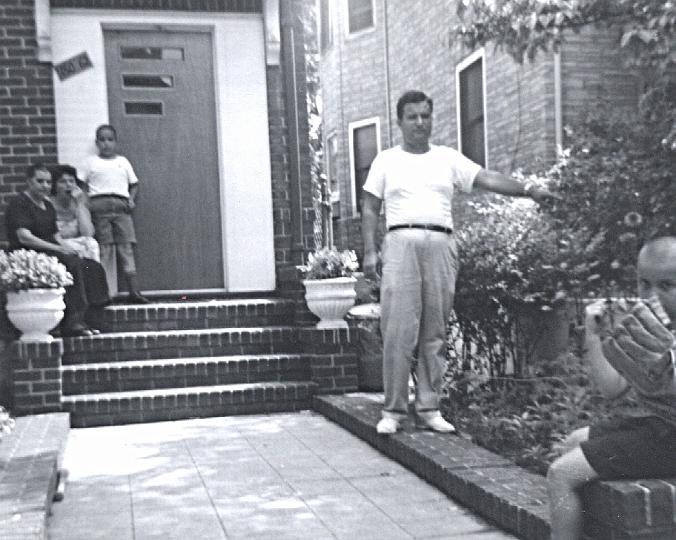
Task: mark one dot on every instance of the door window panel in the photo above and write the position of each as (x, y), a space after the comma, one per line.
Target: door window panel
(147, 81)
(145, 108)
(152, 53)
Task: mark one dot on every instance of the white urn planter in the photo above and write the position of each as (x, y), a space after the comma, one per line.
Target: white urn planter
(35, 312)
(330, 299)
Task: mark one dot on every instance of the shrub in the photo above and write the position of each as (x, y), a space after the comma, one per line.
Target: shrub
(27, 269)
(329, 263)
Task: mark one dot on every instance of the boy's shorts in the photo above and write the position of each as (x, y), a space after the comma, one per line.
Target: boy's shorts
(632, 447)
(112, 220)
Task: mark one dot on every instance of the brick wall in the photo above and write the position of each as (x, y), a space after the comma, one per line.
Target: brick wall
(27, 122)
(520, 121)
(36, 377)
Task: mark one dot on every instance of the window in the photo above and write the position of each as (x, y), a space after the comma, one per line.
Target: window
(364, 145)
(151, 53)
(325, 24)
(359, 15)
(332, 167)
(471, 107)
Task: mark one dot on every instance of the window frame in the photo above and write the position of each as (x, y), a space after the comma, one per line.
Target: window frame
(477, 55)
(352, 127)
(350, 34)
(325, 5)
(330, 161)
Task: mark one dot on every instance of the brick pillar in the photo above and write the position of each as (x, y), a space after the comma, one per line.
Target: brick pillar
(36, 377)
(333, 358)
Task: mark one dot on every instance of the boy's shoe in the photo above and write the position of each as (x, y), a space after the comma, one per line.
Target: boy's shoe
(387, 425)
(137, 298)
(434, 421)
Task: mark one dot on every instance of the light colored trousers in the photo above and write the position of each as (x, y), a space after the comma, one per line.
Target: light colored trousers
(416, 296)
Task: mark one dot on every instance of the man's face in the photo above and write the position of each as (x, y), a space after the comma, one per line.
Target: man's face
(657, 277)
(416, 124)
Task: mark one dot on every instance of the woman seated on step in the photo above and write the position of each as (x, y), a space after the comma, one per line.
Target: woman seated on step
(72, 215)
(31, 224)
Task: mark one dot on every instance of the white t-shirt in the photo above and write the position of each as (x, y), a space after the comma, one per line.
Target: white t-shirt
(418, 188)
(108, 176)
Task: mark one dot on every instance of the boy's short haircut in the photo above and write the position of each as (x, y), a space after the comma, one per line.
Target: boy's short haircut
(103, 127)
(32, 169)
(412, 96)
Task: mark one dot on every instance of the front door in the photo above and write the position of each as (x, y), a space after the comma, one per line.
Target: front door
(161, 101)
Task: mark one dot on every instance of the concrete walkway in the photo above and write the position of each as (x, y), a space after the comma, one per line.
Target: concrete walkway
(287, 476)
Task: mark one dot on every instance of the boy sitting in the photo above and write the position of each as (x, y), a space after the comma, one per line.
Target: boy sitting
(637, 352)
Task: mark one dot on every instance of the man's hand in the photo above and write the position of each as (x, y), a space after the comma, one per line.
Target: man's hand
(640, 347)
(370, 265)
(540, 195)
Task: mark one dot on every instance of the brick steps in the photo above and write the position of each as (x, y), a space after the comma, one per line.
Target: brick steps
(121, 346)
(179, 403)
(185, 359)
(181, 372)
(217, 313)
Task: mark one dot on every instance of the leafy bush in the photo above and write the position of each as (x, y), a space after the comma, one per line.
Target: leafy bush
(6, 423)
(525, 419)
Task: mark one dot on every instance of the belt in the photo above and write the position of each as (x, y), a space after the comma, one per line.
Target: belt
(109, 195)
(437, 228)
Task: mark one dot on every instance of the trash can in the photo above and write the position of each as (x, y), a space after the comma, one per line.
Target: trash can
(366, 317)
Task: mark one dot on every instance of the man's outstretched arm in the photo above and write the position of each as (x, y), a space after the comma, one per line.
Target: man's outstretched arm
(504, 185)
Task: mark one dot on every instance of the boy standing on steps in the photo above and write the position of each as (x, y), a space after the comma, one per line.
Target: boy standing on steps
(112, 186)
(639, 352)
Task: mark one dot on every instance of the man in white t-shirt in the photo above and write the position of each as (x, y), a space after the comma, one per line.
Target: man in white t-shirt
(416, 181)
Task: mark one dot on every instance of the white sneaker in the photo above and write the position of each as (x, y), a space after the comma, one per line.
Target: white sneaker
(434, 421)
(387, 426)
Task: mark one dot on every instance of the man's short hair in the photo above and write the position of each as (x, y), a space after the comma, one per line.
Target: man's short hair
(412, 96)
(32, 169)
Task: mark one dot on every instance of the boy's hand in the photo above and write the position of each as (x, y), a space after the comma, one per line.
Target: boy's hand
(640, 346)
(131, 204)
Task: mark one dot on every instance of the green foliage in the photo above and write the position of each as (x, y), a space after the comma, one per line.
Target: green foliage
(526, 419)
(23, 269)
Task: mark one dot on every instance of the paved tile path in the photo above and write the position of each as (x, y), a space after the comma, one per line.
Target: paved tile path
(286, 476)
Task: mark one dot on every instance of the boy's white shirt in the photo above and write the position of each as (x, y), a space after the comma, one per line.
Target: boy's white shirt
(108, 176)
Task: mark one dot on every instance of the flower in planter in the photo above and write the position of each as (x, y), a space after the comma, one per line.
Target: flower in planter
(6, 422)
(327, 263)
(24, 269)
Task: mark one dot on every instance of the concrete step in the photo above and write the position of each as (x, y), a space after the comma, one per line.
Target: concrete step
(123, 346)
(181, 372)
(194, 402)
(196, 314)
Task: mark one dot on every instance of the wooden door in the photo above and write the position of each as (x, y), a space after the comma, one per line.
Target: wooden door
(161, 101)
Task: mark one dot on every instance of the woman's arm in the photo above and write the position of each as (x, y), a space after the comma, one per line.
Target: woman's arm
(29, 240)
(84, 217)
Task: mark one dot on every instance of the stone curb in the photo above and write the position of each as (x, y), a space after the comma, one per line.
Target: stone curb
(500, 491)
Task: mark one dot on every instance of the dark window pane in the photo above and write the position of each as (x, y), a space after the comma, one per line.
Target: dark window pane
(360, 14)
(472, 112)
(147, 81)
(151, 53)
(365, 148)
(143, 107)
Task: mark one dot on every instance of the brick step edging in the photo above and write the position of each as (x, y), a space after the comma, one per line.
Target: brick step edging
(145, 345)
(503, 493)
(130, 375)
(196, 314)
(178, 403)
